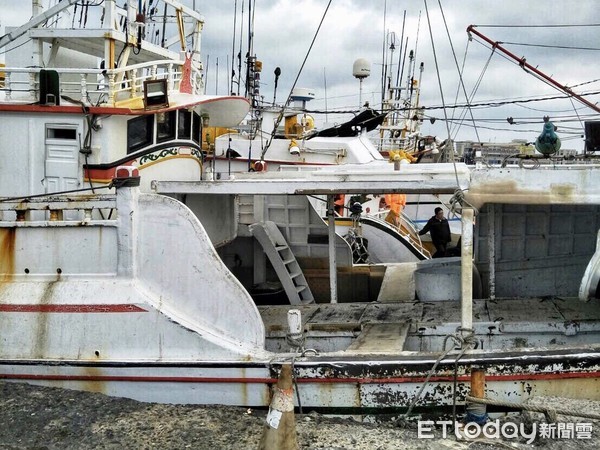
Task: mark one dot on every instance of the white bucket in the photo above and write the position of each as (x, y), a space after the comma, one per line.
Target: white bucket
(437, 283)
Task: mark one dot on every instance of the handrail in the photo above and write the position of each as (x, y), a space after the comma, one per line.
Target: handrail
(132, 80)
(410, 234)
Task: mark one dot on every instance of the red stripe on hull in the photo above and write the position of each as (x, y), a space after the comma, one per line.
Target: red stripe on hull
(104, 110)
(103, 174)
(523, 377)
(137, 379)
(120, 308)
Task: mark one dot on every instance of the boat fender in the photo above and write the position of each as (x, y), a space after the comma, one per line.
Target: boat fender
(293, 148)
(548, 142)
(260, 166)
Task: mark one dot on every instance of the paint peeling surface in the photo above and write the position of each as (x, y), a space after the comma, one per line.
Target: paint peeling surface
(104, 308)
(570, 184)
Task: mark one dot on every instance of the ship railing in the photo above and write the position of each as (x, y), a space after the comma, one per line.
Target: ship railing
(388, 143)
(58, 211)
(97, 86)
(407, 229)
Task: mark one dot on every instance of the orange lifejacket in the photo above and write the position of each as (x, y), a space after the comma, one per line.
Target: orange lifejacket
(396, 202)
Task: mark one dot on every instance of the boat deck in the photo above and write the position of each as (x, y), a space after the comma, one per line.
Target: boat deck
(421, 326)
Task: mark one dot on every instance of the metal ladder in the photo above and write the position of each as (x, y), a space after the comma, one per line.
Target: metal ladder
(246, 209)
(283, 261)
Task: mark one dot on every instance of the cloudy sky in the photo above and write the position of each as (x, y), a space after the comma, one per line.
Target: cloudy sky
(352, 29)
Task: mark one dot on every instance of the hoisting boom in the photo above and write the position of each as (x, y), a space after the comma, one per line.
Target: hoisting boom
(526, 66)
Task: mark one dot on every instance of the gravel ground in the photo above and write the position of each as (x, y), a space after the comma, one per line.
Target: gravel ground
(49, 418)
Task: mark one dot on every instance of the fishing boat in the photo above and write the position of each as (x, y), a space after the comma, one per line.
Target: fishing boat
(153, 283)
(106, 95)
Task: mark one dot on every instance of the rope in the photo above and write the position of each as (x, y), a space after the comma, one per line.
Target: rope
(475, 412)
(456, 203)
(466, 343)
(296, 386)
(296, 341)
(532, 408)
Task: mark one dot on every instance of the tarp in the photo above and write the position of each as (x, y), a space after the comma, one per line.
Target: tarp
(368, 119)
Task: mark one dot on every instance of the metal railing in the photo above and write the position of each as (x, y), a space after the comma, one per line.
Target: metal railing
(96, 86)
(406, 228)
(56, 211)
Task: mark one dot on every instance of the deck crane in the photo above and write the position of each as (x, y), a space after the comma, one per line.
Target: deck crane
(528, 67)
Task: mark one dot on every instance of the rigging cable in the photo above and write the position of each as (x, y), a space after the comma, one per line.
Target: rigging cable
(233, 48)
(437, 69)
(577, 114)
(164, 36)
(563, 47)
(383, 53)
(545, 79)
(541, 26)
(240, 48)
(460, 73)
(469, 104)
(459, 193)
(401, 76)
(400, 56)
(280, 116)
(411, 69)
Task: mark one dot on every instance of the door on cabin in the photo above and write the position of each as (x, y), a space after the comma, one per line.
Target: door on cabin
(62, 169)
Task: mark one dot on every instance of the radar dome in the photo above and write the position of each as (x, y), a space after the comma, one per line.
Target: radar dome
(302, 94)
(361, 68)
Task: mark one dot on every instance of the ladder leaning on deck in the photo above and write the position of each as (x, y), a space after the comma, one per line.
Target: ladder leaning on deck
(283, 261)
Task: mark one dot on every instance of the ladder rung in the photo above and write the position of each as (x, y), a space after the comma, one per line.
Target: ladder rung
(300, 288)
(288, 261)
(280, 247)
(295, 275)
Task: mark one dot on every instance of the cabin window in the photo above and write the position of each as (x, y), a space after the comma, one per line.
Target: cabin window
(61, 133)
(165, 126)
(139, 132)
(196, 128)
(184, 126)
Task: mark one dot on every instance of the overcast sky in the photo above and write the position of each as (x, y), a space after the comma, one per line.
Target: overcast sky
(284, 29)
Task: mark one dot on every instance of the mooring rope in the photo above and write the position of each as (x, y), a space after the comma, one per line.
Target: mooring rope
(466, 343)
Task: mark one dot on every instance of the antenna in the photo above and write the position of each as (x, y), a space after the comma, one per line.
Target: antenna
(361, 69)
(325, 84)
(277, 73)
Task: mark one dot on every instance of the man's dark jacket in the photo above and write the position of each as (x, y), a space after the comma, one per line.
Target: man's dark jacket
(439, 230)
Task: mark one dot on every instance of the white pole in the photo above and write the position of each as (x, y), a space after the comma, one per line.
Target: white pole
(467, 270)
(360, 80)
(332, 258)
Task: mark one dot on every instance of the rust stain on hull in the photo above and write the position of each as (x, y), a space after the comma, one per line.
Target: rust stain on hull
(510, 192)
(94, 381)
(7, 253)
